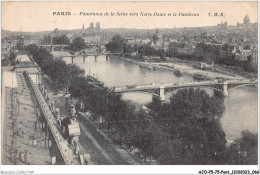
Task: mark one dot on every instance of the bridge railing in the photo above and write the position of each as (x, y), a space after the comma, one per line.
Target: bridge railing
(182, 84)
(66, 153)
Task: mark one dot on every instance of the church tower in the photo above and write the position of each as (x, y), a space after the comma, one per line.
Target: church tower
(83, 32)
(20, 42)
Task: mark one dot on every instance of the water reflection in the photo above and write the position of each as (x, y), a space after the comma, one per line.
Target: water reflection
(241, 112)
(241, 104)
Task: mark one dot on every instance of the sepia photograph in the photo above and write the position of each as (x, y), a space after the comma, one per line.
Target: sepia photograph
(130, 83)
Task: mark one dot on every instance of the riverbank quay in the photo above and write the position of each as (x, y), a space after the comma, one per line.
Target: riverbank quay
(114, 154)
(184, 68)
(23, 138)
(102, 151)
(132, 155)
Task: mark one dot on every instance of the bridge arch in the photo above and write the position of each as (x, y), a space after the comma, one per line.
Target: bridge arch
(141, 92)
(243, 85)
(182, 88)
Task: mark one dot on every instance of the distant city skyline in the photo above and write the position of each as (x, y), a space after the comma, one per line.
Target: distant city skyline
(38, 16)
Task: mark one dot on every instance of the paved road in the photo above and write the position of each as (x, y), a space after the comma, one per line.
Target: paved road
(5, 127)
(100, 149)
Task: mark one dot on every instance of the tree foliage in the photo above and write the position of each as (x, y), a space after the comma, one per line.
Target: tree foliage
(146, 50)
(57, 70)
(63, 39)
(128, 49)
(116, 44)
(46, 39)
(193, 134)
(185, 131)
(243, 151)
(78, 44)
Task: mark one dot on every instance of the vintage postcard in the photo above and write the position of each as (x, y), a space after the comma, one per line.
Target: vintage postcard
(129, 83)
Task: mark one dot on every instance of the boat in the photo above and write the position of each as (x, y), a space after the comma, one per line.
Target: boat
(198, 76)
(130, 86)
(177, 73)
(220, 79)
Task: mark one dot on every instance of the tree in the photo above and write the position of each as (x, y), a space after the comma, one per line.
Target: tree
(32, 49)
(61, 40)
(146, 50)
(128, 49)
(161, 54)
(155, 38)
(243, 151)
(75, 71)
(141, 49)
(78, 44)
(149, 50)
(57, 70)
(46, 39)
(11, 58)
(194, 134)
(116, 44)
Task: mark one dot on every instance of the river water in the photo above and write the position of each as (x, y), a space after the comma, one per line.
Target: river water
(241, 104)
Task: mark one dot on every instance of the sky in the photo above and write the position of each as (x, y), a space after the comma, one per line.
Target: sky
(38, 16)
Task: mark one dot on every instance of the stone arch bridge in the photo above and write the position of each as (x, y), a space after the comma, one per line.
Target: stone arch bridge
(84, 56)
(79, 54)
(53, 46)
(158, 90)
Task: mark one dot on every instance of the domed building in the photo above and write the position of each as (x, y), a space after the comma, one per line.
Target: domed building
(246, 20)
(247, 24)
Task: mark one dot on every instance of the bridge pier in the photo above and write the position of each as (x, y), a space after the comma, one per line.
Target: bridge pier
(161, 97)
(225, 89)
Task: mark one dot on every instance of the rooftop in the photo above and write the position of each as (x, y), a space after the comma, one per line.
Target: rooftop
(22, 58)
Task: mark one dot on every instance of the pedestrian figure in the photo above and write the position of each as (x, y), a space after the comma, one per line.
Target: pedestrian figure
(22, 133)
(10, 153)
(25, 156)
(12, 142)
(14, 155)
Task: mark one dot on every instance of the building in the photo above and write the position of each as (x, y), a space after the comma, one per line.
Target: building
(222, 26)
(91, 35)
(157, 41)
(186, 49)
(245, 50)
(255, 57)
(246, 20)
(20, 42)
(157, 38)
(227, 51)
(247, 25)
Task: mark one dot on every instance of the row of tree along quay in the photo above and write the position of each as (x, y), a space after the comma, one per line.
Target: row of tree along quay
(140, 51)
(185, 131)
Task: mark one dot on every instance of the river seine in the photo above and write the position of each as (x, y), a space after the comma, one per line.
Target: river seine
(241, 104)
